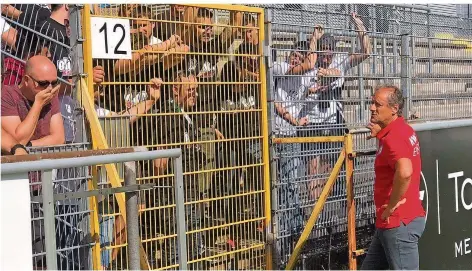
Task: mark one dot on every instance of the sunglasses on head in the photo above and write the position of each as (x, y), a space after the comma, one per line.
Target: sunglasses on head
(45, 83)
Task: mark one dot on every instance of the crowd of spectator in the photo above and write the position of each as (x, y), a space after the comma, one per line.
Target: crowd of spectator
(188, 84)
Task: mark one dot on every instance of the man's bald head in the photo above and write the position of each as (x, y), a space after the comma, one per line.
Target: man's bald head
(40, 65)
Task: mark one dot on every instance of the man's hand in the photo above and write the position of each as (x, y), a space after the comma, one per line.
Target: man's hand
(358, 23)
(174, 40)
(155, 89)
(323, 72)
(318, 32)
(45, 96)
(317, 89)
(303, 121)
(98, 74)
(374, 130)
(219, 135)
(389, 211)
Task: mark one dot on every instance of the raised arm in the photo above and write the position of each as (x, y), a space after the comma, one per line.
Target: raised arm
(310, 60)
(366, 48)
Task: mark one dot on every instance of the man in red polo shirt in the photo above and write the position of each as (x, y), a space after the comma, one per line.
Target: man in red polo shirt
(400, 218)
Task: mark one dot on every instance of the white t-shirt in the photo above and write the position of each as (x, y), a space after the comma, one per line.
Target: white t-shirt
(4, 26)
(289, 92)
(326, 114)
(153, 41)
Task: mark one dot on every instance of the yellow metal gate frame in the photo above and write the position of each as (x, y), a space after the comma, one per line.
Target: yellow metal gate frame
(99, 140)
(346, 156)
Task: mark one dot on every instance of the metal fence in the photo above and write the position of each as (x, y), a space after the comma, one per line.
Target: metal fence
(64, 229)
(400, 50)
(213, 57)
(193, 81)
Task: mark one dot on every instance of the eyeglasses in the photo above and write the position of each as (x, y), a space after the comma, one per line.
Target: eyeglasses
(44, 84)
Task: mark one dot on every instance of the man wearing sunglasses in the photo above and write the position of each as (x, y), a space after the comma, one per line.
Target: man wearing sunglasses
(31, 111)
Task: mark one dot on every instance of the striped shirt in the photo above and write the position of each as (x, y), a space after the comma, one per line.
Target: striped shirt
(59, 46)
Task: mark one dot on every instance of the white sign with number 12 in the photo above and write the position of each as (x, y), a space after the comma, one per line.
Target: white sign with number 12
(110, 38)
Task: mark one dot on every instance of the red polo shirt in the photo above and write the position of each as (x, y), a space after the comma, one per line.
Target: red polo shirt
(397, 140)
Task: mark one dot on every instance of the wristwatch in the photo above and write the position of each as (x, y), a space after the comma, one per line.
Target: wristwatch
(17, 146)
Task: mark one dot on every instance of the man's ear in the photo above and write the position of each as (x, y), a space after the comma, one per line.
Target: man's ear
(395, 109)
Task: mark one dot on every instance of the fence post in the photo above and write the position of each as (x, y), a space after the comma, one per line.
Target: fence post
(132, 218)
(270, 192)
(180, 212)
(406, 72)
(430, 42)
(49, 220)
(351, 203)
(77, 61)
(360, 70)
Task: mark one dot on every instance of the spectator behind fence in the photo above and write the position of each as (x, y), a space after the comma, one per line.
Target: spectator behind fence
(23, 40)
(201, 39)
(11, 146)
(179, 128)
(145, 61)
(56, 27)
(9, 35)
(112, 230)
(323, 107)
(31, 111)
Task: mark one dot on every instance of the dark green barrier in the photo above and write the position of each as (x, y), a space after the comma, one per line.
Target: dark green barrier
(447, 186)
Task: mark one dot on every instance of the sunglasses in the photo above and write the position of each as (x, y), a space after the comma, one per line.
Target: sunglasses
(44, 84)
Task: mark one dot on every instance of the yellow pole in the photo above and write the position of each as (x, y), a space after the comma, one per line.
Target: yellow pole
(316, 211)
(314, 139)
(265, 142)
(93, 182)
(351, 204)
(99, 142)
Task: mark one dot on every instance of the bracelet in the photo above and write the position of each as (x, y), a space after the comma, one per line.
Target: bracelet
(17, 146)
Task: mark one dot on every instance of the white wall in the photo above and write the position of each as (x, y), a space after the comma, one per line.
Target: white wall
(15, 223)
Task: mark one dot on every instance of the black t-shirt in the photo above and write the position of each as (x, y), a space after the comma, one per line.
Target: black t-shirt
(58, 48)
(31, 17)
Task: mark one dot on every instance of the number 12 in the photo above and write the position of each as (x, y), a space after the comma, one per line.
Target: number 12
(104, 29)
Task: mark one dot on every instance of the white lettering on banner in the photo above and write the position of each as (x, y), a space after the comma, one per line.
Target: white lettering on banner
(112, 38)
(466, 206)
(462, 247)
(456, 175)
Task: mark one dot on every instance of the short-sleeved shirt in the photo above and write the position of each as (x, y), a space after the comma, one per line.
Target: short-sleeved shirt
(4, 26)
(397, 140)
(15, 104)
(60, 53)
(289, 92)
(324, 107)
(173, 129)
(31, 17)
